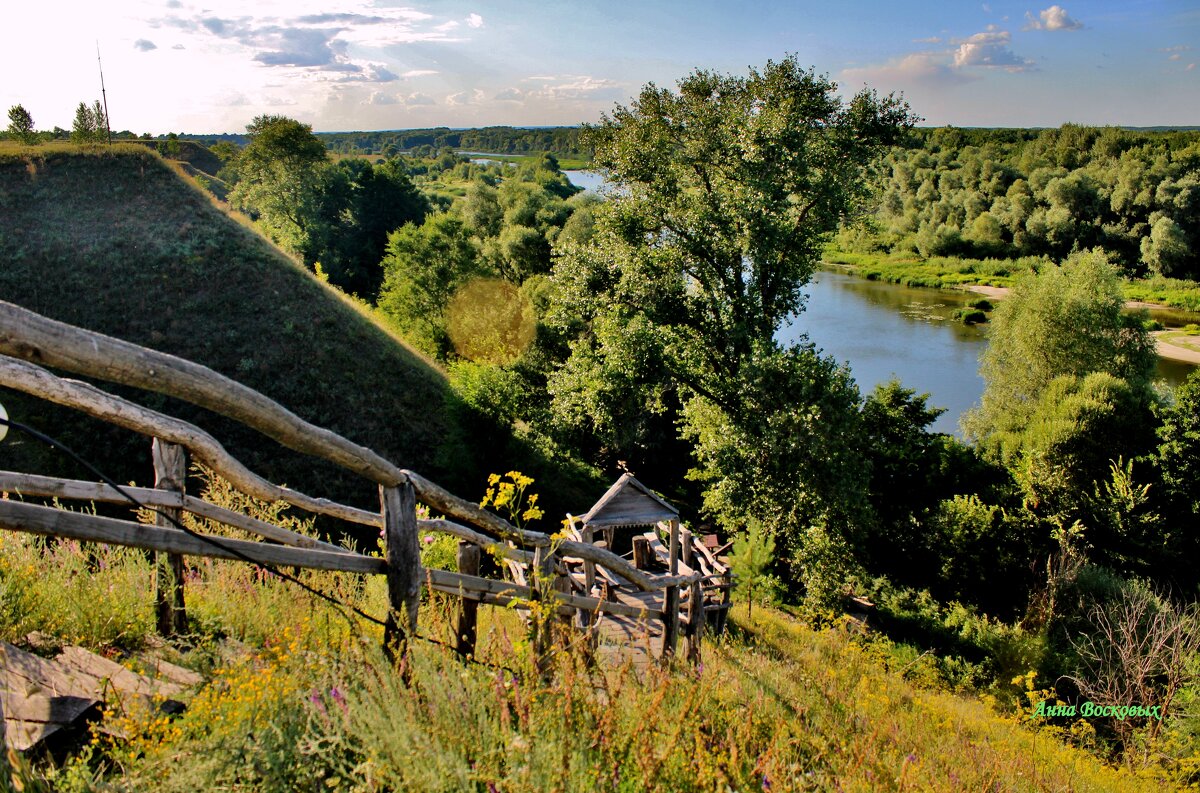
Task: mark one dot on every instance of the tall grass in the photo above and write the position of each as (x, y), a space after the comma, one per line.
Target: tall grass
(778, 706)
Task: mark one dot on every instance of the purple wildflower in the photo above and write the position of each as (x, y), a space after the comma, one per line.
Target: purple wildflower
(315, 699)
(766, 782)
(339, 698)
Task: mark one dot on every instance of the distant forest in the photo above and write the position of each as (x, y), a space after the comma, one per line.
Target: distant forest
(561, 141)
(1026, 192)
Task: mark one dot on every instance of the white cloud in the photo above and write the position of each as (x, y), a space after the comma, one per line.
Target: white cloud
(381, 98)
(475, 21)
(144, 45)
(418, 73)
(990, 49)
(510, 95)
(926, 68)
(419, 99)
(465, 98)
(1053, 18)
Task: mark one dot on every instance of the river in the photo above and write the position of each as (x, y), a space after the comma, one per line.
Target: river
(885, 330)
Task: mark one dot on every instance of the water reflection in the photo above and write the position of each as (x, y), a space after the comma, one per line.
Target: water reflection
(884, 330)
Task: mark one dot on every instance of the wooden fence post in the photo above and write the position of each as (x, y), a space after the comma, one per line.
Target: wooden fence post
(671, 599)
(4, 769)
(695, 621)
(465, 630)
(403, 557)
(170, 473)
(642, 553)
(541, 625)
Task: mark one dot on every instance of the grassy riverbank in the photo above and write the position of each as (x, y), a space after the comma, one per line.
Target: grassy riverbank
(948, 273)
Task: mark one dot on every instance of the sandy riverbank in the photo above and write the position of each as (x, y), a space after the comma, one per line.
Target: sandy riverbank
(1176, 348)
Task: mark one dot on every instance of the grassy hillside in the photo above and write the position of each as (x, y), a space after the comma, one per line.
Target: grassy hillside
(115, 240)
(778, 706)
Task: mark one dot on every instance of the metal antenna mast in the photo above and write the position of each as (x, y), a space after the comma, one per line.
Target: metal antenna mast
(103, 95)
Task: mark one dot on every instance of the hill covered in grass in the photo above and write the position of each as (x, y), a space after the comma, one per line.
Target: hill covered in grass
(293, 701)
(118, 241)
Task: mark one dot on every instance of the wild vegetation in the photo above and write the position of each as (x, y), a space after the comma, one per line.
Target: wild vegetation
(298, 698)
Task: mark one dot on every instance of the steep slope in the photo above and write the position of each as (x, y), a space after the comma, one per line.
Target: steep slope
(116, 241)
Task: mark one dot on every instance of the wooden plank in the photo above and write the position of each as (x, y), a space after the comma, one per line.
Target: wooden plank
(102, 673)
(453, 583)
(71, 489)
(30, 720)
(32, 337)
(88, 399)
(489, 544)
(465, 624)
(170, 474)
(403, 555)
(36, 519)
(441, 500)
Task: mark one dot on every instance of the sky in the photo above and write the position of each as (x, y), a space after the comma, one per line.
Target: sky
(213, 65)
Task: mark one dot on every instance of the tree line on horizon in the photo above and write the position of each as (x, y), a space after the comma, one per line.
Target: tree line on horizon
(1003, 194)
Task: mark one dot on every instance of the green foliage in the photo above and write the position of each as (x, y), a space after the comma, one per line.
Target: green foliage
(751, 562)
(1177, 464)
(737, 181)
(90, 125)
(970, 316)
(1012, 193)
(1063, 446)
(422, 269)
(1178, 454)
(281, 177)
(20, 125)
(792, 459)
(1066, 320)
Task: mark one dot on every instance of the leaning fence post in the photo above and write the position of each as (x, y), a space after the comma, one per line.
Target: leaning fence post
(465, 627)
(403, 558)
(170, 473)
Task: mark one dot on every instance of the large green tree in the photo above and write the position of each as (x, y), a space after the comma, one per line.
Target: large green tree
(724, 192)
(1066, 320)
(281, 178)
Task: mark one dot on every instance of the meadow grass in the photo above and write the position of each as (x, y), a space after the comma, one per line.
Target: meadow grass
(947, 272)
(301, 698)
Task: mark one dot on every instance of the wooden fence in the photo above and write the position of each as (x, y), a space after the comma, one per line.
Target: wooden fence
(29, 343)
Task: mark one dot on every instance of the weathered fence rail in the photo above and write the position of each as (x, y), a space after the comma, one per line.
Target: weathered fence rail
(30, 342)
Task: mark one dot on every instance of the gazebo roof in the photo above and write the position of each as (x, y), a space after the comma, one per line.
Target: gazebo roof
(629, 503)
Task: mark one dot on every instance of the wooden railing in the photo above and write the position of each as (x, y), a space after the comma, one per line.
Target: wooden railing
(30, 342)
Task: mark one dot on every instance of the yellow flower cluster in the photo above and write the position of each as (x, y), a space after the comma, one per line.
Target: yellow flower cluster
(509, 496)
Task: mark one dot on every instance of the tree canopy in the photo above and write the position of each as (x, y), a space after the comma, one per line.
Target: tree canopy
(725, 190)
(20, 124)
(1065, 320)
